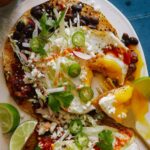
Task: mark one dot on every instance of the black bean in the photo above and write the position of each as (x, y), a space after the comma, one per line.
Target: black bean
(21, 47)
(28, 31)
(69, 17)
(94, 20)
(77, 7)
(16, 35)
(74, 15)
(125, 36)
(86, 19)
(131, 78)
(20, 26)
(92, 113)
(126, 42)
(134, 57)
(48, 8)
(37, 12)
(19, 43)
(131, 69)
(133, 41)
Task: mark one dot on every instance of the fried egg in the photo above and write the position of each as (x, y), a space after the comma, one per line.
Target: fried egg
(60, 54)
(122, 139)
(115, 103)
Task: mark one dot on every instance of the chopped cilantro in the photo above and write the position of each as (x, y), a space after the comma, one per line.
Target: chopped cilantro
(105, 140)
(37, 43)
(62, 15)
(65, 98)
(53, 103)
(58, 100)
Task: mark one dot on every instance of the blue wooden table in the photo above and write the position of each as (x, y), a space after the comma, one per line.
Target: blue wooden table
(138, 13)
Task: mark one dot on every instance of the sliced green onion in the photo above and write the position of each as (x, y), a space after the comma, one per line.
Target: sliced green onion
(75, 126)
(37, 45)
(86, 94)
(74, 70)
(78, 39)
(82, 140)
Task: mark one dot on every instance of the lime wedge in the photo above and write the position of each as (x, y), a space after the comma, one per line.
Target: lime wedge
(9, 117)
(143, 85)
(21, 135)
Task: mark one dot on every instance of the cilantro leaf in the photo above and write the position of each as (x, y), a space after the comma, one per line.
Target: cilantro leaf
(37, 43)
(105, 140)
(58, 100)
(53, 103)
(62, 15)
(65, 98)
(46, 24)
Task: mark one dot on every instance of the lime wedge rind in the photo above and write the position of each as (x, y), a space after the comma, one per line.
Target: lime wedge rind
(21, 134)
(9, 117)
(143, 85)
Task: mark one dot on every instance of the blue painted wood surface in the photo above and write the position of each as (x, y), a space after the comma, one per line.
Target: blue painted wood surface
(138, 13)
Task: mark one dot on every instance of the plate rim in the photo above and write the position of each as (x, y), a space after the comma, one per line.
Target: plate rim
(145, 67)
(130, 26)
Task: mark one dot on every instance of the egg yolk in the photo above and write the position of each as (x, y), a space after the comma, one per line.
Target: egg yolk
(124, 94)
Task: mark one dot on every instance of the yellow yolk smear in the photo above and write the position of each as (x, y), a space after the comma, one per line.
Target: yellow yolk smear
(139, 65)
(140, 107)
(123, 96)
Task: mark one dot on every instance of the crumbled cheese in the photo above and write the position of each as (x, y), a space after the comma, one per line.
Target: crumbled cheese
(83, 75)
(78, 107)
(53, 126)
(68, 32)
(34, 72)
(54, 135)
(59, 42)
(107, 103)
(80, 86)
(122, 115)
(92, 54)
(52, 64)
(32, 55)
(58, 133)
(25, 44)
(75, 20)
(43, 127)
(39, 94)
(112, 110)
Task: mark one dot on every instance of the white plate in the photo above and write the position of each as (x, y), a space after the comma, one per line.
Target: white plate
(117, 19)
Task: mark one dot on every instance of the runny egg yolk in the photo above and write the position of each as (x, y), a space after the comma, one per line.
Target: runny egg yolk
(88, 79)
(116, 103)
(110, 66)
(124, 94)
